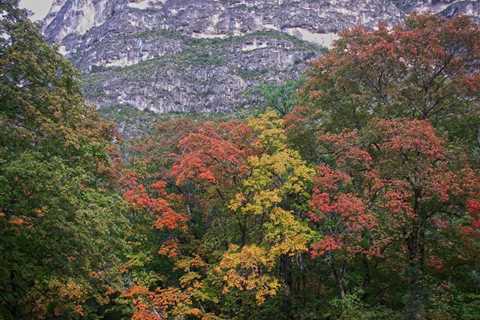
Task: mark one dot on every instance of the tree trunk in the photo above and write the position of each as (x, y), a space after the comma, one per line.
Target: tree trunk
(415, 308)
(286, 274)
(338, 276)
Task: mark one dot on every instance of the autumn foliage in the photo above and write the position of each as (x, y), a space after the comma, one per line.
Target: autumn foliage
(361, 203)
(390, 189)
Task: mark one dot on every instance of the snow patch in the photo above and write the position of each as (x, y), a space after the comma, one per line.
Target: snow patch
(6, 37)
(122, 62)
(54, 9)
(126, 60)
(145, 4)
(214, 20)
(344, 11)
(63, 50)
(56, 6)
(250, 3)
(200, 35)
(269, 26)
(323, 39)
(82, 16)
(87, 21)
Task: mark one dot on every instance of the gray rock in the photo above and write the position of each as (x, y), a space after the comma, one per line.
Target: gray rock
(207, 55)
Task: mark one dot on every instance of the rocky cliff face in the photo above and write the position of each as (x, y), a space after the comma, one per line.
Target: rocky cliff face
(207, 55)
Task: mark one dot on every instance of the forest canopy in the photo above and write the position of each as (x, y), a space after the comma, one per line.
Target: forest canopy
(356, 196)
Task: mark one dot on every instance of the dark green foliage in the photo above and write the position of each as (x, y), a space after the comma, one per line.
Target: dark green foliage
(63, 232)
(282, 98)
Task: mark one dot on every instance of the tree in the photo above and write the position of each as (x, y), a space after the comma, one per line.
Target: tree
(43, 108)
(387, 191)
(243, 177)
(423, 68)
(269, 206)
(62, 227)
(214, 154)
(199, 168)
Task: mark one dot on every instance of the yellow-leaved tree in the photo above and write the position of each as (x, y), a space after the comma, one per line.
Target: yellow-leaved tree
(270, 204)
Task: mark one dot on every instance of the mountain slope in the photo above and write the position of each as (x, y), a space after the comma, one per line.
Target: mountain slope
(206, 55)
